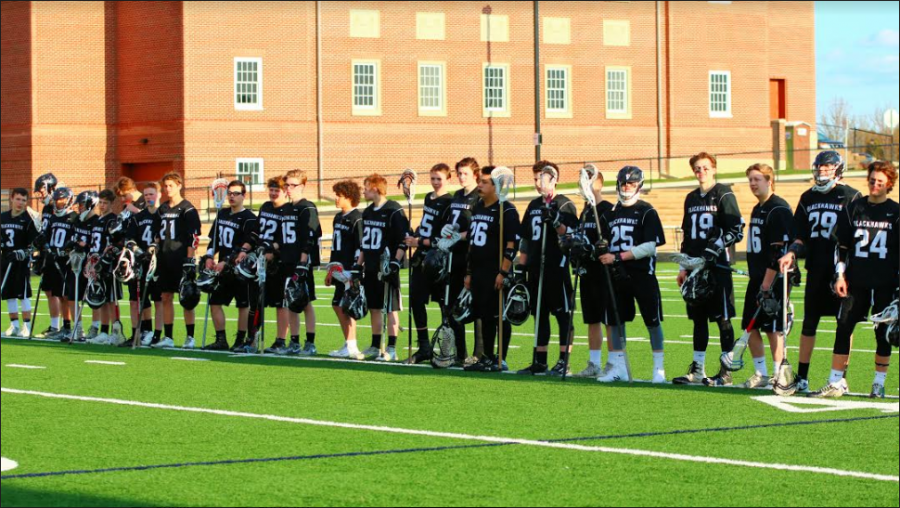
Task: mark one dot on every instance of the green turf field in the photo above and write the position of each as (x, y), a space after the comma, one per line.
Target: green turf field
(189, 429)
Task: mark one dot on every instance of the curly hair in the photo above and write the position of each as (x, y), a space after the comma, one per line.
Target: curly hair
(348, 189)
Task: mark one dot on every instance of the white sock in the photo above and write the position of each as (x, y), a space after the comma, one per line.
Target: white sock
(54, 323)
(776, 367)
(658, 361)
(761, 367)
(880, 378)
(597, 357)
(617, 358)
(95, 324)
(836, 376)
(352, 346)
(700, 358)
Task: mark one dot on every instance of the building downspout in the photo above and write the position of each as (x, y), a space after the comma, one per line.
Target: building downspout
(320, 141)
(659, 93)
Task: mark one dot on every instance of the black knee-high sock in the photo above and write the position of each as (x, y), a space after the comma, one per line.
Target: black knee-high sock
(420, 317)
(462, 350)
(190, 330)
(170, 330)
(147, 325)
(726, 335)
(489, 335)
(507, 338)
(565, 340)
(701, 334)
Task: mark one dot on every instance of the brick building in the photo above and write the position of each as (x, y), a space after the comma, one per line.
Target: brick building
(93, 90)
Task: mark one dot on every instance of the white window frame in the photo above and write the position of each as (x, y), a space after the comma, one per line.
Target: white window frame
(624, 112)
(728, 87)
(441, 108)
(243, 106)
(566, 110)
(504, 109)
(255, 187)
(366, 110)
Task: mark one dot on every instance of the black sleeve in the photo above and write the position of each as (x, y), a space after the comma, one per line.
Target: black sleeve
(843, 233)
(511, 225)
(303, 230)
(31, 233)
(653, 228)
(779, 227)
(191, 226)
(399, 226)
(801, 223)
(731, 223)
(568, 215)
(250, 232)
(685, 225)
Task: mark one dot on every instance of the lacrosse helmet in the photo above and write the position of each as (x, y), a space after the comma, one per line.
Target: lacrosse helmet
(189, 294)
(88, 200)
(208, 281)
(518, 305)
(462, 309)
(698, 288)
(95, 294)
(296, 294)
(578, 247)
(354, 301)
(109, 260)
(827, 158)
(118, 227)
(246, 269)
(437, 267)
(893, 334)
(47, 184)
(124, 271)
(629, 174)
(60, 194)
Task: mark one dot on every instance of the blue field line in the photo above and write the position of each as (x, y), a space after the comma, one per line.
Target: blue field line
(432, 449)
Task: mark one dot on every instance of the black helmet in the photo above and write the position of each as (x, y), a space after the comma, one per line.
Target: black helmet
(518, 305)
(354, 301)
(47, 184)
(246, 269)
(95, 294)
(462, 309)
(118, 227)
(830, 157)
(60, 194)
(437, 266)
(125, 263)
(296, 294)
(629, 174)
(208, 281)
(578, 247)
(893, 334)
(189, 294)
(88, 200)
(698, 288)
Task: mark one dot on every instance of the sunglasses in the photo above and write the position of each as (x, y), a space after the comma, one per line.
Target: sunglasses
(235, 194)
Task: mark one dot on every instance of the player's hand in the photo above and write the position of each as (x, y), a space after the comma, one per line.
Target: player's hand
(210, 264)
(840, 287)
(220, 267)
(786, 262)
(682, 276)
(395, 267)
(411, 241)
(240, 258)
(608, 259)
(468, 282)
(498, 284)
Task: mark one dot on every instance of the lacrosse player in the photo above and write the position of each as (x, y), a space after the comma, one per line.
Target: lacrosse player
(485, 275)
(423, 287)
(634, 232)
(179, 235)
(58, 234)
(770, 233)
(346, 247)
(712, 225)
(556, 215)
(99, 242)
(454, 231)
(594, 294)
(868, 237)
(299, 250)
(141, 237)
(814, 221)
(129, 197)
(44, 187)
(384, 229)
(19, 234)
(270, 236)
(79, 244)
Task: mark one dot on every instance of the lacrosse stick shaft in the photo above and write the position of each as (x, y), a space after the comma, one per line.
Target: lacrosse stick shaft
(570, 334)
(500, 311)
(540, 298)
(6, 276)
(37, 303)
(79, 303)
(140, 314)
(409, 312)
(209, 295)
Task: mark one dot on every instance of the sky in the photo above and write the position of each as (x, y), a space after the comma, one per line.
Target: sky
(857, 55)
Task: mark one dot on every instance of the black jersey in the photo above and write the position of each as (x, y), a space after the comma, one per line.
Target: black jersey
(347, 240)
(46, 213)
(771, 223)
(434, 210)
(626, 227)
(299, 226)
(533, 228)
(814, 222)
(143, 228)
(232, 231)
(179, 228)
(385, 227)
(484, 236)
(869, 236)
(460, 213)
(269, 232)
(61, 230)
(711, 220)
(99, 239)
(18, 232)
(589, 224)
(84, 230)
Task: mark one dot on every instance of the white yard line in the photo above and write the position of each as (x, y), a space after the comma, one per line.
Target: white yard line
(99, 362)
(469, 437)
(26, 367)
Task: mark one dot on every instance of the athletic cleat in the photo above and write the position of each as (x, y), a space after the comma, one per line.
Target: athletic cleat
(757, 381)
(292, 349)
(659, 377)
(47, 334)
(472, 360)
(341, 353)
(127, 343)
(535, 369)
(63, 335)
(371, 353)
(829, 391)
(356, 355)
(803, 386)
(309, 349)
(146, 338)
(155, 340)
(219, 345)
(25, 331)
(723, 378)
(92, 334)
(421, 356)
(389, 356)
(695, 375)
(164, 344)
(275, 348)
(12, 331)
(239, 346)
(558, 369)
(614, 373)
(845, 386)
(188, 343)
(877, 391)
(592, 371)
(77, 337)
(483, 366)
(101, 339)
(771, 383)
(501, 367)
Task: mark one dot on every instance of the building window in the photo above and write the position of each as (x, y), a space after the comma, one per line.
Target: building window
(250, 171)
(432, 89)
(366, 87)
(720, 94)
(248, 83)
(557, 89)
(494, 88)
(617, 91)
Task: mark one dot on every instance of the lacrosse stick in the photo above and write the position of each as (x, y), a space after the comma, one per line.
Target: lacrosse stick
(444, 339)
(408, 185)
(692, 264)
(219, 190)
(260, 338)
(547, 178)
(148, 277)
(37, 301)
(503, 179)
(733, 360)
(6, 276)
(784, 381)
(589, 174)
(76, 261)
(386, 304)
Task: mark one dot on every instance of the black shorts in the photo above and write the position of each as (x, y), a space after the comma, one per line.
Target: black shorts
(485, 299)
(375, 293)
(862, 300)
(643, 288)
(69, 286)
(764, 323)
(231, 289)
(721, 304)
(594, 295)
(169, 271)
(275, 286)
(457, 279)
(557, 290)
(151, 293)
(422, 291)
(820, 301)
(339, 290)
(113, 289)
(18, 280)
(54, 280)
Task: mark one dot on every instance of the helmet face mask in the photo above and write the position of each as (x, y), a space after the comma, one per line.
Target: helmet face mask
(63, 193)
(208, 281)
(462, 309)
(436, 265)
(189, 294)
(246, 269)
(354, 301)
(826, 179)
(95, 294)
(629, 175)
(518, 305)
(88, 201)
(296, 295)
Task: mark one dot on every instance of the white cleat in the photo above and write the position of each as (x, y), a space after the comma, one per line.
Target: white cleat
(659, 377)
(389, 356)
(803, 387)
(101, 339)
(614, 373)
(356, 355)
(164, 343)
(146, 339)
(92, 334)
(13, 331)
(592, 371)
(829, 391)
(845, 386)
(757, 381)
(25, 331)
(342, 353)
(188, 343)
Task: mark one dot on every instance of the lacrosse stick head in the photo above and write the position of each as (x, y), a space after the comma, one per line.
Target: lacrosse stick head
(124, 271)
(586, 178)
(407, 184)
(546, 183)
(503, 179)
(336, 272)
(90, 266)
(443, 347)
(688, 263)
(219, 191)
